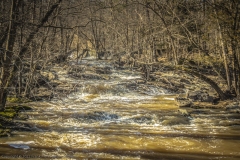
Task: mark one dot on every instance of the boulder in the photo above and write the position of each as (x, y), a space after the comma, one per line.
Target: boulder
(175, 120)
(104, 55)
(200, 96)
(184, 103)
(39, 80)
(185, 81)
(49, 75)
(140, 81)
(105, 70)
(42, 93)
(76, 69)
(184, 112)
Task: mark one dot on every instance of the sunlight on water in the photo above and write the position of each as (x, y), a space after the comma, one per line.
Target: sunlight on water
(120, 119)
(74, 140)
(167, 98)
(127, 75)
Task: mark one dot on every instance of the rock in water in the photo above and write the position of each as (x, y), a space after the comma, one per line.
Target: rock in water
(184, 112)
(200, 96)
(183, 102)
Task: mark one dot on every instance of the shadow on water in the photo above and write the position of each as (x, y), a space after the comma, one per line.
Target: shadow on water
(121, 153)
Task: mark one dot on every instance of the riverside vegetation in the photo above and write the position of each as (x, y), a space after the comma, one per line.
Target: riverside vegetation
(186, 49)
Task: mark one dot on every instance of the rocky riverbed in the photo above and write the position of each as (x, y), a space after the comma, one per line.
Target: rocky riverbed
(95, 110)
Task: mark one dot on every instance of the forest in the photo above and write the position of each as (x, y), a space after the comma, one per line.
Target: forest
(199, 38)
(191, 35)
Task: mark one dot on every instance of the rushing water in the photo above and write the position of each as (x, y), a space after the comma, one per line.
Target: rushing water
(119, 119)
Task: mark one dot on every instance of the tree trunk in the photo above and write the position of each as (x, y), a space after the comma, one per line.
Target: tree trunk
(3, 98)
(162, 18)
(213, 84)
(224, 54)
(8, 54)
(7, 69)
(234, 44)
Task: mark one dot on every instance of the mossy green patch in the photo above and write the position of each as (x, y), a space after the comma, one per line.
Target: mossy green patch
(18, 108)
(12, 111)
(17, 100)
(8, 114)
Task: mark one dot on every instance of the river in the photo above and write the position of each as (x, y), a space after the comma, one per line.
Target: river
(120, 119)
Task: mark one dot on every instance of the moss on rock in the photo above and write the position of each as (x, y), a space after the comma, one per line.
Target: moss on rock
(17, 100)
(18, 108)
(8, 114)
(12, 111)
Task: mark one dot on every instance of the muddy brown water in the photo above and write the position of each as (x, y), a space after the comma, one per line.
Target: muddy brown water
(119, 119)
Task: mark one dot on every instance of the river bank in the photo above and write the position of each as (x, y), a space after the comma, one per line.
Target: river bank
(103, 112)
